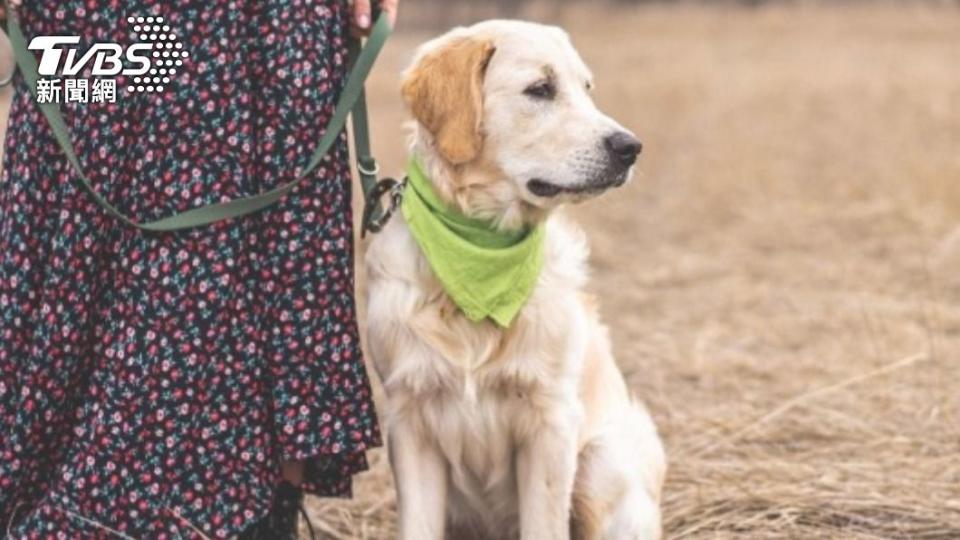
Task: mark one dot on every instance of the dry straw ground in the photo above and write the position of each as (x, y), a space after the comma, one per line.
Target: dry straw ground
(783, 276)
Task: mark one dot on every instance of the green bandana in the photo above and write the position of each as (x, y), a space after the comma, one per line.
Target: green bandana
(487, 273)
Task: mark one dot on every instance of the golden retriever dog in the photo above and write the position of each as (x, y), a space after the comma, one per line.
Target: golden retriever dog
(527, 431)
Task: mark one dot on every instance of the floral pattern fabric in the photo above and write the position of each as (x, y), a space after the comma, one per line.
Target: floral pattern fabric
(151, 384)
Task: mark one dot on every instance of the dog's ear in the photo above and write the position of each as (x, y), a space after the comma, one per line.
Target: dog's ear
(444, 92)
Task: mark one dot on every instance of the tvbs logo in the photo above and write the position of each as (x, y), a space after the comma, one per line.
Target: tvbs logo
(148, 65)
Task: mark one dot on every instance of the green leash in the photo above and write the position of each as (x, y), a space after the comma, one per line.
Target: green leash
(351, 99)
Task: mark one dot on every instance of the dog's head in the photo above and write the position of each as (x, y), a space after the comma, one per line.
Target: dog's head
(505, 107)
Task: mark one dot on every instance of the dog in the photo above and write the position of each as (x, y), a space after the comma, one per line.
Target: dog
(527, 430)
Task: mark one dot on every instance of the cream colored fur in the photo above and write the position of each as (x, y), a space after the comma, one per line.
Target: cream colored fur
(527, 432)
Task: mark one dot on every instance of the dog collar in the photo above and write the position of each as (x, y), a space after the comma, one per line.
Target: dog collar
(488, 273)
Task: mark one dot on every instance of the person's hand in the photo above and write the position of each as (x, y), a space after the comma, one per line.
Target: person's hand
(8, 64)
(361, 19)
(3, 10)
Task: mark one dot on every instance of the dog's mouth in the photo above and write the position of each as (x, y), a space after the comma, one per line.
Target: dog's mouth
(542, 188)
(546, 189)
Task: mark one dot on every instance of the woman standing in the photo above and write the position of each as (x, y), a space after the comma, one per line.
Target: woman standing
(162, 385)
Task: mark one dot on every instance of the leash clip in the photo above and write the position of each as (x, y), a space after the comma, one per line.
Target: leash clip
(375, 217)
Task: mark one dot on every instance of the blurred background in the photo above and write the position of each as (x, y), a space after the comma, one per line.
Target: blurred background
(782, 276)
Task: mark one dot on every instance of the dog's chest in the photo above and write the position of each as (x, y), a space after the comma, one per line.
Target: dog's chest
(476, 392)
(478, 435)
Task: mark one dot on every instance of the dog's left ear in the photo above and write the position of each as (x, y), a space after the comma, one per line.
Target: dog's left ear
(444, 91)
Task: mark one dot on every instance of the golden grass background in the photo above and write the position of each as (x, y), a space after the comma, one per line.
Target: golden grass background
(782, 277)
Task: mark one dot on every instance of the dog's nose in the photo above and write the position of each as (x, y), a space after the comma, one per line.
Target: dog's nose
(623, 146)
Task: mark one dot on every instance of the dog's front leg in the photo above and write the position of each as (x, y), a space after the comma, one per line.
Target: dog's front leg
(546, 466)
(421, 476)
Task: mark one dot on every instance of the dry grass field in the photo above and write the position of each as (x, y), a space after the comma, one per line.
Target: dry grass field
(783, 276)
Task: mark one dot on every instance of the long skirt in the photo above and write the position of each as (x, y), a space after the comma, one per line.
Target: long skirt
(151, 384)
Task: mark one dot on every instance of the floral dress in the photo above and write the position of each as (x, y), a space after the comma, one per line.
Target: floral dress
(151, 384)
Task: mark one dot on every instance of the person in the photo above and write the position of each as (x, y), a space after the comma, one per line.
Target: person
(197, 383)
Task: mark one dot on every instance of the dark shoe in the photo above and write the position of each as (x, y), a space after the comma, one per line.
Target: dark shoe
(281, 522)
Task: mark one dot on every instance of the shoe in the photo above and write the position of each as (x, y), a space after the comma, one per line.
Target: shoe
(281, 523)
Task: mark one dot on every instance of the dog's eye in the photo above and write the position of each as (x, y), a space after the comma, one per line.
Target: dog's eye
(541, 90)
